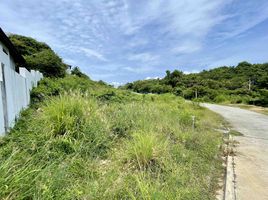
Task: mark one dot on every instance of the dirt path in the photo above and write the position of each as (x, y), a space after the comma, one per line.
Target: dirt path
(252, 152)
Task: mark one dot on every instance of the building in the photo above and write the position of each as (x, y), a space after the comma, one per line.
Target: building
(9, 56)
(15, 83)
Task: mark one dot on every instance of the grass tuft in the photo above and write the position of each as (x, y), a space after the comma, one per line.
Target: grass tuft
(145, 150)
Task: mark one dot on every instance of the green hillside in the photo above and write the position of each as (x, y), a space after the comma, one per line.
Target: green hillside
(245, 83)
(39, 56)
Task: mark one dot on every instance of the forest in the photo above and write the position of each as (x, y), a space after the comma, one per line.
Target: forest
(245, 83)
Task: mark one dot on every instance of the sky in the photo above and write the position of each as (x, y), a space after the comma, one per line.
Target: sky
(120, 41)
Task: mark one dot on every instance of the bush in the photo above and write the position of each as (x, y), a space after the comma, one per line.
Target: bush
(47, 62)
(39, 56)
(76, 71)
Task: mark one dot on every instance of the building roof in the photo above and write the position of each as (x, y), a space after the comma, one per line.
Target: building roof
(12, 50)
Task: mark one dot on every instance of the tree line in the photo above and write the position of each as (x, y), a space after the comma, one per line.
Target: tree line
(244, 83)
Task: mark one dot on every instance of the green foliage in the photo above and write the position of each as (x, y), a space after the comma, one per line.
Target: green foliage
(76, 71)
(85, 140)
(39, 56)
(152, 86)
(27, 46)
(46, 62)
(263, 99)
(241, 84)
(145, 150)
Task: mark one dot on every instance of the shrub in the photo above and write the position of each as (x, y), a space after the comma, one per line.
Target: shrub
(39, 56)
(47, 62)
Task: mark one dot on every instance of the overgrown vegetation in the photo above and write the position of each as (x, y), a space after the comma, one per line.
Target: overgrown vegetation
(246, 83)
(82, 139)
(39, 56)
(85, 140)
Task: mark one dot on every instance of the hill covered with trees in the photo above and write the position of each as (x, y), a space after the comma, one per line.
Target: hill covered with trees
(39, 56)
(244, 83)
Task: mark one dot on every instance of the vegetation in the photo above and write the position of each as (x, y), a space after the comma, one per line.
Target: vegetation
(246, 83)
(85, 140)
(76, 71)
(82, 139)
(39, 56)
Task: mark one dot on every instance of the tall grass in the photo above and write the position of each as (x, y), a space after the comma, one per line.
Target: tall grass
(145, 150)
(79, 146)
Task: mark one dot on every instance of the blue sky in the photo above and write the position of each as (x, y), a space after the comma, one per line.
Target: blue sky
(119, 41)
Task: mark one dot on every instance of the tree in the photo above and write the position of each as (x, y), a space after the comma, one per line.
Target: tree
(246, 83)
(173, 78)
(76, 71)
(26, 45)
(39, 56)
(47, 62)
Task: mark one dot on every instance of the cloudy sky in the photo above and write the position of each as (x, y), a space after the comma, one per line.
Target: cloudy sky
(124, 40)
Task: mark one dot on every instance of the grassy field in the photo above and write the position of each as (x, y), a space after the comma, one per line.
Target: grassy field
(84, 140)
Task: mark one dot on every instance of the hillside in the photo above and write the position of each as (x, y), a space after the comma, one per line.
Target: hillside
(245, 83)
(82, 139)
(39, 56)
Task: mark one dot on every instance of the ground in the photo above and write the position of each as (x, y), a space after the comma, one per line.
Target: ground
(252, 152)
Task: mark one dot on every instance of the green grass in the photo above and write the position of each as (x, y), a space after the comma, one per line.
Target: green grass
(235, 133)
(105, 143)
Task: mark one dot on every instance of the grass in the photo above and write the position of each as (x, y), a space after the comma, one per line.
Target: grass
(110, 144)
(145, 150)
(235, 133)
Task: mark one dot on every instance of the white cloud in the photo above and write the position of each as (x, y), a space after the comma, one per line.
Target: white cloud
(116, 84)
(191, 72)
(136, 42)
(140, 69)
(92, 53)
(187, 47)
(69, 61)
(241, 22)
(143, 57)
(148, 78)
(104, 37)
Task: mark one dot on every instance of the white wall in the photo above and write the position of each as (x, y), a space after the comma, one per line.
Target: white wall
(2, 128)
(3, 57)
(17, 89)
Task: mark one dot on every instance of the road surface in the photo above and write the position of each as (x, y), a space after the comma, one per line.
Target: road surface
(252, 152)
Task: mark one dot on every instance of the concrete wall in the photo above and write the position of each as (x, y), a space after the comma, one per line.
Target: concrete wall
(4, 58)
(14, 90)
(2, 128)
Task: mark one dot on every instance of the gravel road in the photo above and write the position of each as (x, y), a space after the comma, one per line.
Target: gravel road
(252, 152)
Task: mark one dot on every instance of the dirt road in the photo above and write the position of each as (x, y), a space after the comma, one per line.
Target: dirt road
(252, 152)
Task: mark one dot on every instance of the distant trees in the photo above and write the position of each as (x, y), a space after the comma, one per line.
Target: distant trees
(173, 78)
(148, 86)
(39, 56)
(247, 83)
(76, 71)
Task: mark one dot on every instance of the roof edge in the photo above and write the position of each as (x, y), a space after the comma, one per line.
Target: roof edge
(12, 49)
